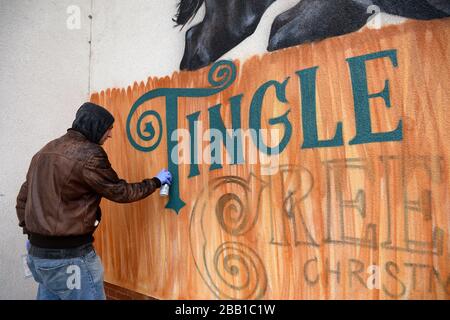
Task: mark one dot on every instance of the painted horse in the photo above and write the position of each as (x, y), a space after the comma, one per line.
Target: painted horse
(229, 22)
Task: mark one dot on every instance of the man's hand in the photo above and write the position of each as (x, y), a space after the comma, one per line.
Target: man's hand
(165, 177)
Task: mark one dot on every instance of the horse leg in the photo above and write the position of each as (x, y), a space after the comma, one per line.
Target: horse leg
(226, 24)
(416, 9)
(313, 20)
(441, 5)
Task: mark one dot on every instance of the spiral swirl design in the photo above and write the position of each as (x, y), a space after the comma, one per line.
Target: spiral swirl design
(226, 208)
(234, 263)
(222, 73)
(149, 129)
(231, 209)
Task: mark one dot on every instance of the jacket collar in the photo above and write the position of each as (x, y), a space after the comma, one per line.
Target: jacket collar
(74, 133)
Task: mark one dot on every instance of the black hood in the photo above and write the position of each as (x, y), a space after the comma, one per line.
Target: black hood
(92, 121)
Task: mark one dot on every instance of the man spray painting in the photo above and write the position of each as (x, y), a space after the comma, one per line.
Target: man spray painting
(58, 206)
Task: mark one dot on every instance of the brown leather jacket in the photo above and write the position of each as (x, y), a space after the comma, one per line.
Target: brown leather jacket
(58, 204)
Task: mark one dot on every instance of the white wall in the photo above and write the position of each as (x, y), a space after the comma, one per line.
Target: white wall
(47, 71)
(44, 76)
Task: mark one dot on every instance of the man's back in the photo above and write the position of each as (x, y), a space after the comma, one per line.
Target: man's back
(58, 198)
(58, 205)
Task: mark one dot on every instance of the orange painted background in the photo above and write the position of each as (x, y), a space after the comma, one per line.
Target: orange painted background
(366, 221)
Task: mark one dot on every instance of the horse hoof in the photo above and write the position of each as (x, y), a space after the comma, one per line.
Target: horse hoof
(196, 54)
(314, 20)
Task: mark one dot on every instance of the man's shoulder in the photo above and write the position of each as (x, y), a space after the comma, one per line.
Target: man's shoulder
(98, 158)
(73, 145)
(86, 150)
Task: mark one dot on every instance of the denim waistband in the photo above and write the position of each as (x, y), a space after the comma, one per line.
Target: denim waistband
(44, 253)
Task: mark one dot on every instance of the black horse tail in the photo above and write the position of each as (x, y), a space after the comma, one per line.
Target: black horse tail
(187, 9)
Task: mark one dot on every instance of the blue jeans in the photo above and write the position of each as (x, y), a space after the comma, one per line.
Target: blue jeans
(78, 278)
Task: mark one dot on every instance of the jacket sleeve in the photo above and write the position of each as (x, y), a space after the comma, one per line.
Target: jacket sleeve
(101, 177)
(20, 206)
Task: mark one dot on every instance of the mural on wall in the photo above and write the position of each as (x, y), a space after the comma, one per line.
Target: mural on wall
(228, 23)
(347, 196)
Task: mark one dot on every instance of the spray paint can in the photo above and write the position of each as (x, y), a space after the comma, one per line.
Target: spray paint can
(164, 190)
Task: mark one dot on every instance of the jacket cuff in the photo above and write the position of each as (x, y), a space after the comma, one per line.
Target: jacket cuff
(157, 182)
